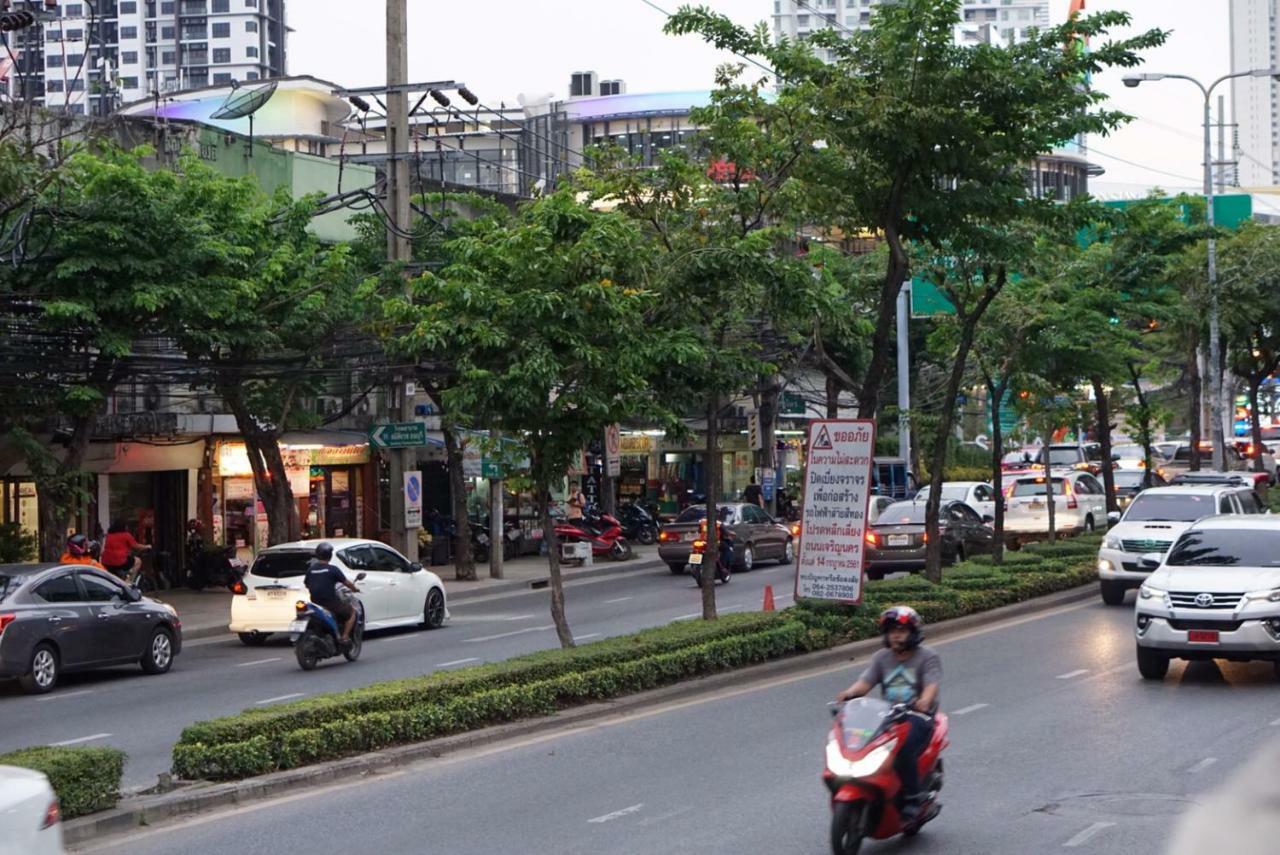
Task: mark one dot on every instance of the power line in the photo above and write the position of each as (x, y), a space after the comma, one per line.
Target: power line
(1095, 150)
(749, 59)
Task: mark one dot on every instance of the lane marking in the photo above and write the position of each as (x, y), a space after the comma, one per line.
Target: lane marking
(458, 662)
(1202, 765)
(969, 709)
(513, 632)
(690, 617)
(617, 814)
(720, 609)
(79, 694)
(515, 617)
(1087, 835)
(1071, 674)
(1276, 723)
(81, 739)
(281, 698)
(663, 817)
(401, 637)
(585, 637)
(619, 599)
(259, 661)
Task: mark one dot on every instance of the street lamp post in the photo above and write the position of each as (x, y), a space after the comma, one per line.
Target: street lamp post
(1217, 409)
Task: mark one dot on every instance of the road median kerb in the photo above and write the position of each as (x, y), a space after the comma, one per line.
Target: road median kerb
(151, 809)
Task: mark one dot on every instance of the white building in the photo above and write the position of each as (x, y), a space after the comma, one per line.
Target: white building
(143, 47)
(1253, 99)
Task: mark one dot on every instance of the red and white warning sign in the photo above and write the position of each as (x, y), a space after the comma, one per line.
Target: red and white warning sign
(837, 487)
(612, 451)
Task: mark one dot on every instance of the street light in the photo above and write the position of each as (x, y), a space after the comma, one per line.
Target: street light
(1216, 404)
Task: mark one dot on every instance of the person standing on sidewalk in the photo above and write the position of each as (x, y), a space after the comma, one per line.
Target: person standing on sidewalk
(753, 495)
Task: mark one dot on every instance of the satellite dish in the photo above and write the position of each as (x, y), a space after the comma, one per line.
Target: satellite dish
(240, 104)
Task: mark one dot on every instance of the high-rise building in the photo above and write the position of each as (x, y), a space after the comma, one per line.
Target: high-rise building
(95, 56)
(1254, 99)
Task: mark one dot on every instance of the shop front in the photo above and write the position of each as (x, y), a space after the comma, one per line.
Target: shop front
(682, 471)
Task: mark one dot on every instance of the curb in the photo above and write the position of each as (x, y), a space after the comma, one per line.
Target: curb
(151, 809)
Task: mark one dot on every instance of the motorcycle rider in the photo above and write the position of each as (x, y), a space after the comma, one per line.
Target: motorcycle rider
(910, 674)
(77, 552)
(322, 580)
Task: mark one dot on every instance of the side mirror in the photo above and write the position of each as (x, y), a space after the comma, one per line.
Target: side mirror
(135, 595)
(360, 576)
(1113, 517)
(415, 567)
(988, 519)
(1150, 560)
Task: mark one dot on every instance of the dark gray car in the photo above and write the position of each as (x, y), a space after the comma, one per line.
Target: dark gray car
(755, 536)
(56, 618)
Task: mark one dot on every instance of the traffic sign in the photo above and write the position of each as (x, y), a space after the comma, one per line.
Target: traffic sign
(612, 451)
(413, 499)
(837, 488)
(398, 435)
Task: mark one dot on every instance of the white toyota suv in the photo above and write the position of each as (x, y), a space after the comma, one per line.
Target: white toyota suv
(1080, 505)
(1215, 595)
(1153, 521)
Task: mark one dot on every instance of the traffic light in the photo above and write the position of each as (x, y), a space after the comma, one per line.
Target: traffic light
(10, 21)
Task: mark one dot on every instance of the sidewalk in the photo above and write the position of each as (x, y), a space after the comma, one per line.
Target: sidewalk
(205, 613)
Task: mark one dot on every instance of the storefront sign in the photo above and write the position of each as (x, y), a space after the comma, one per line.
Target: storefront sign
(637, 444)
(413, 499)
(837, 487)
(612, 451)
(233, 457)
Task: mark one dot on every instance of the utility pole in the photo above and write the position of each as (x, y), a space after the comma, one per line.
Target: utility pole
(399, 250)
(904, 375)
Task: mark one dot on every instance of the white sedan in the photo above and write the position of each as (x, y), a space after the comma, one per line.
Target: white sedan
(395, 592)
(976, 494)
(30, 821)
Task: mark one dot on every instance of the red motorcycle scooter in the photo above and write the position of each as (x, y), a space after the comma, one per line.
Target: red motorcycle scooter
(602, 531)
(865, 788)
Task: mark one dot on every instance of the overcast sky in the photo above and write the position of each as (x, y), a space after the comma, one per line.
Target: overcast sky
(501, 48)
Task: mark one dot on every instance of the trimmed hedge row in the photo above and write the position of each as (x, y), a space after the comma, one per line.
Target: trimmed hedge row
(85, 779)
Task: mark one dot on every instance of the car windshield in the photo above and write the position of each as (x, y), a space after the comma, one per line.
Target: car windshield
(958, 492)
(1128, 477)
(901, 513)
(1223, 547)
(1058, 456)
(1035, 487)
(1166, 507)
(1017, 457)
(697, 513)
(8, 584)
(281, 565)
(1129, 451)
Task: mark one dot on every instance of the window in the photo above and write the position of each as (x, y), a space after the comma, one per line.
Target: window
(59, 589)
(1035, 487)
(251, 52)
(1094, 487)
(167, 57)
(251, 26)
(388, 562)
(128, 82)
(358, 558)
(252, 75)
(280, 565)
(74, 10)
(53, 86)
(128, 57)
(76, 85)
(128, 32)
(166, 32)
(221, 6)
(222, 77)
(166, 7)
(128, 7)
(1225, 506)
(53, 60)
(222, 30)
(100, 590)
(1220, 547)
(75, 36)
(251, 4)
(75, 60)
(221, 55)
(1249, 503)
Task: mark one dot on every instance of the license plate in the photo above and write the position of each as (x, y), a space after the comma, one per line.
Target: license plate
(689, 537)
(898, 540)
(298, 626)
(1203, 636)
(277, 595)
(696, 558)
(1037, 504)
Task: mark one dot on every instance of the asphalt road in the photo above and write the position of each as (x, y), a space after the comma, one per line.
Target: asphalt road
(1057, 745)
(144, 715)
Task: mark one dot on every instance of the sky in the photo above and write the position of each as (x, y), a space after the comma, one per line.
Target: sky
(502, 48)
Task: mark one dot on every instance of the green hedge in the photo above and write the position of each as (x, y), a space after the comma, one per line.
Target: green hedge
(85, 779)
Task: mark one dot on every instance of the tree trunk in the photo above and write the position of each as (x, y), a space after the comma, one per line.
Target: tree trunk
(1104, 438)
(1048, 487)
(463, 561)
(553, 565)
(270, 479)
(711, 551)
(497, 529)
(1193, 423)
(997, 392)
(886, 316)
(1145, 428)
(833, 397)
(766, 457)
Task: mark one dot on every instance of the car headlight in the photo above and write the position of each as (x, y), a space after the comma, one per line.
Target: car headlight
(1263, 596)
(1111, 543)
(843, 767)
(1147, 592)
(170, 609)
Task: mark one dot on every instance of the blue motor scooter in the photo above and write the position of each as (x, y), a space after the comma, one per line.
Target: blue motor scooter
(315, 632)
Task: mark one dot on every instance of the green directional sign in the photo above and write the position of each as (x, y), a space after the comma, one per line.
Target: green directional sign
(398, 435)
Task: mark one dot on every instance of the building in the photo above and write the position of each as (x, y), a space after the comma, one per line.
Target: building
(1254, 99)
(94, 56)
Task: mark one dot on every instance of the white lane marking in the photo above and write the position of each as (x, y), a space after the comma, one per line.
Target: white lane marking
(617, 814)
(260, 662)
(513, 632)
(1071, 674)
(1087, 835)
(778, 597)
(729, 608)
(1276, 723)
(619, 599)
(585, 637)
(663, 817)
(81, 739)
(401, 637)
(969, 709)
(515, 617)
(1202, 765)
(281, 698)
(458, 662)
(690, 616)
(64, 696)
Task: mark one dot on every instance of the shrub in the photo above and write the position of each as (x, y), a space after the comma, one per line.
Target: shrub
(16, 546)
(85, 779)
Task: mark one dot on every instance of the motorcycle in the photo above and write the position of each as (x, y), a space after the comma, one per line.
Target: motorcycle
(482, 543)
(221, 568)
(315, 632)
(866, 793)
(638, 524)
(602, 531)
(697, 556)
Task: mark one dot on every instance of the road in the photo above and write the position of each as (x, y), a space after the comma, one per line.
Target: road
(1057, 746)
(144, 715)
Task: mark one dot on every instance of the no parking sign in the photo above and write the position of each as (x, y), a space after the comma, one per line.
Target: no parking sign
(413, 499)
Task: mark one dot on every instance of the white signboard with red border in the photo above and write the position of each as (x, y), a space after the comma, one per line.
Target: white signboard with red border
(837, 487)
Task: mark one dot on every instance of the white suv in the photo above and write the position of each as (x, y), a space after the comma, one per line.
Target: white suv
(1152, 522)
(1080, 504)
(1216, 595)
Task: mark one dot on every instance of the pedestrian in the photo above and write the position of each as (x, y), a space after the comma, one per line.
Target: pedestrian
(577, 502)
(753, 495)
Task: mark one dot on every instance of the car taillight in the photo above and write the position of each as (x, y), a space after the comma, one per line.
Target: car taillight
(52, 815)
(871, 538)
(239, 587)
(300, 606)
(664, 537)
(6, 619)
(924, 538)
(795, 530)
(1072, 504)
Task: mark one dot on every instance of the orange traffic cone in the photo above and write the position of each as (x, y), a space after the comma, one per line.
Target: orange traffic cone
(768, 598)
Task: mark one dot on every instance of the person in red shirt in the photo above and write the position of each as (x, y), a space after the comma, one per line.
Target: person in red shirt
(77, 552)
(119, 551)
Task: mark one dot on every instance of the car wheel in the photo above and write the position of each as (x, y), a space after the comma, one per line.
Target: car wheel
(158, 657)
(433, 609)
(676, 569)
(748, 559)
(42, 670)
(1112, 592)
(789, 553)
(1152, 665)
(253, 639)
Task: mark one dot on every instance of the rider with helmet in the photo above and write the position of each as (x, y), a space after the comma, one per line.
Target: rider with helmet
(78, 552)
(907, 673)
(323, 579)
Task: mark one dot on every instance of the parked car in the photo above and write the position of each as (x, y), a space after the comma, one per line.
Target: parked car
(56, 618)
(1085, 456)
(1131, 456)
(1255, 480)
(1130, 482)
(1153, 522)
(978, 495)
(1180, 460)
(755, 536)
(1245, 447)
(395, 591)
(897, 540)
(1080, 504)
(1213, 596)
(30, 819)
(875, 507)
(1023, 458)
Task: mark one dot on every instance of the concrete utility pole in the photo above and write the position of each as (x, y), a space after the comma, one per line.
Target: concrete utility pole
(904, 375)
(398, 247)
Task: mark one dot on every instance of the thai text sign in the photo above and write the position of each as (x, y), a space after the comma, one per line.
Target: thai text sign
(837, 486)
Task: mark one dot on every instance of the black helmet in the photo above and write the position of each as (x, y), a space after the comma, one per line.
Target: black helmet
(324, 551)
(902, 616)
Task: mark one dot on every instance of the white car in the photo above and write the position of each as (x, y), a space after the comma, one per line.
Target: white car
(1129, 456)
(30, 822)
(1215, 595)
(978, 495)
(1153, 522)
(1080, 504)
(395, 592)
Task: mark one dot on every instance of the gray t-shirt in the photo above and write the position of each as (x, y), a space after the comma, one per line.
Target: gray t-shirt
(904, 682)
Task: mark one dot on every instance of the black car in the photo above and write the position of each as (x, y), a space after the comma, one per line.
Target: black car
(56, 618)
(897, 540)
(1131, 482)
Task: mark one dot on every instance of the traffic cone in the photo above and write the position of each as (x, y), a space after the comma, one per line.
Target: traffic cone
(768, 598)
